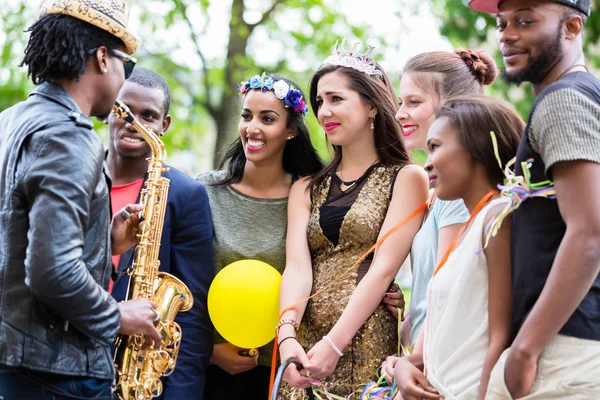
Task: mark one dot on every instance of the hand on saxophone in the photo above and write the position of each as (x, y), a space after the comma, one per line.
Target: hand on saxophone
(124, 223)
(139, 317)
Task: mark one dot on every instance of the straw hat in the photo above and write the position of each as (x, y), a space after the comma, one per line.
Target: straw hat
(109, 15)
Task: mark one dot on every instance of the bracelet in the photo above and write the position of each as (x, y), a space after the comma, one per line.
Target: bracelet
(333, 346)
(284, 339)
(287, 321)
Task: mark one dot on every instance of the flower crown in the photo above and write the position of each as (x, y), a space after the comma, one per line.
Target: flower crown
(283, 91)
(351, 59)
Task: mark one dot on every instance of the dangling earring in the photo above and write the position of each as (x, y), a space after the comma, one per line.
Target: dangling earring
(290, 137)
(373, 124)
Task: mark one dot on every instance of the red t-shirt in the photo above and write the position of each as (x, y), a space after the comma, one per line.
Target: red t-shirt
(120, 196)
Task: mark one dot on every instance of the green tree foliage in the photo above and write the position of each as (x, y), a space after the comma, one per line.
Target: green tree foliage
(204, 93)
(304, 30)
(14, 85)
(466, 28)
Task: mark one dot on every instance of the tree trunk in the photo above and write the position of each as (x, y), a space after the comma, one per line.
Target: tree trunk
(226, 123)
(235, 71)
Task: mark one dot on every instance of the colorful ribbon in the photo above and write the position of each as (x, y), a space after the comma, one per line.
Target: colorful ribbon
(375, 390)
(516, 188)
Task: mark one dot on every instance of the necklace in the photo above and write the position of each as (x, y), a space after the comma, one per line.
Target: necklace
(346, 185)
(570, 68)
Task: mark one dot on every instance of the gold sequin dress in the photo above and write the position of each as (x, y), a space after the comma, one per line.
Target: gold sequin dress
(362, 209)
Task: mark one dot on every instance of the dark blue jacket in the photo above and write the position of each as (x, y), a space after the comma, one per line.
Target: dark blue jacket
(185, 252)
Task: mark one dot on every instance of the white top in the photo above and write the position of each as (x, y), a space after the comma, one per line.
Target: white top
(456, 326)
(423, 254)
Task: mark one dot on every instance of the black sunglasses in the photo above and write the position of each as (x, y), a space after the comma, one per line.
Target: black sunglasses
(129, 61)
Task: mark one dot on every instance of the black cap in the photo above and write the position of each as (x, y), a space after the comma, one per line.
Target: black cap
(491, 6)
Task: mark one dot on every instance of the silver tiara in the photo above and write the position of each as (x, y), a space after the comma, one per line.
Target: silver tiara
(352, 59)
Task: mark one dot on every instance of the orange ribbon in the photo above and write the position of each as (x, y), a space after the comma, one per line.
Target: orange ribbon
(476, 211)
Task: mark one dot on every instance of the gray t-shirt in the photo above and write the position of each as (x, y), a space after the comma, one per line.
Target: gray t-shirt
(246, 227)
(423, 255)
(565, 127)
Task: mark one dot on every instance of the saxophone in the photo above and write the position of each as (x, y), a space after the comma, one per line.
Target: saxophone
(139, 370)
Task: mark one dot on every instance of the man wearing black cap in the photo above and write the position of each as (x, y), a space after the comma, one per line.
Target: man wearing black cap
(57, 321)
(556, 241)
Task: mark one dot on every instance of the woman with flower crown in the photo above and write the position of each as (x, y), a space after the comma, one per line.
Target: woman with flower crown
(342, 335)
(248, 203)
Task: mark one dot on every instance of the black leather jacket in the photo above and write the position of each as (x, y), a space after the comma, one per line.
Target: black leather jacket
(55, 314)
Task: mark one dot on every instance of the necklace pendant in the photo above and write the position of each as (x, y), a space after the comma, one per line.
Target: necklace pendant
(344, 187)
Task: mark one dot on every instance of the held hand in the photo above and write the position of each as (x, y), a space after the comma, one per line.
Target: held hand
(394, 300)
(295, 377)
(323, 359)
(226, 357)
(138, 317)
(519, 373)
(387, 367)
(123, 227)
(412, 383)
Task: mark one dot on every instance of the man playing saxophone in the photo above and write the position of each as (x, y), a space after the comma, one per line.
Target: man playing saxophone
(186, 242)
(57, 321)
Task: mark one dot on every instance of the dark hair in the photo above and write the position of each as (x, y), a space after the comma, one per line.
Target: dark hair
(568, 12)
(380, 94)
(59, 47)
(151, 79)
(463, 72)
(300, 158)
(475, 117)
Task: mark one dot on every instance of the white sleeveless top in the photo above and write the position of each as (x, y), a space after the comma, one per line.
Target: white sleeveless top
(456, 328)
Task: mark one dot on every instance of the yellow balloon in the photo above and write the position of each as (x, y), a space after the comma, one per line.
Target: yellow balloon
(243, 303)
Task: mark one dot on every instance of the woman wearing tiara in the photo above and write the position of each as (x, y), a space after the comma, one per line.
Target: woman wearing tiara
(342, 335)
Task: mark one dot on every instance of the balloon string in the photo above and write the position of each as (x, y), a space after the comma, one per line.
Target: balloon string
(328, 286)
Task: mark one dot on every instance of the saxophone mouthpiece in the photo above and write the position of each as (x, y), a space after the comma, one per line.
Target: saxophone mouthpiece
(123, 112)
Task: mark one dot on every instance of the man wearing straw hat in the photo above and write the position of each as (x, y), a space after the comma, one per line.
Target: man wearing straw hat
(57, 321)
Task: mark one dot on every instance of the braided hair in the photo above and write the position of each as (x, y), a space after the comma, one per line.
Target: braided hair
(59, 47)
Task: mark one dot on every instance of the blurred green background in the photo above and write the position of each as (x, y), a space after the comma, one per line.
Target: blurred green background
(204, 47)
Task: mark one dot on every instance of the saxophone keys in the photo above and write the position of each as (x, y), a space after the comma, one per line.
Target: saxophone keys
(160, 361)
